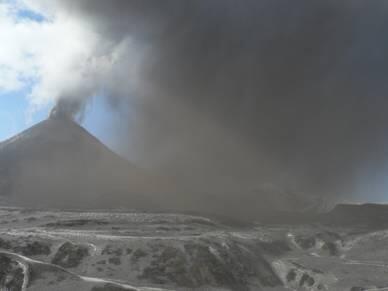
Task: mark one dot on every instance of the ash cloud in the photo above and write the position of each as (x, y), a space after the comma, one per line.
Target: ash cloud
(234, 95)
(68, 108)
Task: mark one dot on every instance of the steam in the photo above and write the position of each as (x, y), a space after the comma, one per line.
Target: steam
(233, 95)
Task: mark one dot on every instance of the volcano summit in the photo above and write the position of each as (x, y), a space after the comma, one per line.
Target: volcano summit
(58, 163)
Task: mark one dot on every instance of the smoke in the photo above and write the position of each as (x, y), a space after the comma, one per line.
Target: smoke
(234, 95)
(68, 109)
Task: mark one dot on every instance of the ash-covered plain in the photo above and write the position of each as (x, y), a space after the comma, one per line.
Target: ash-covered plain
(130, 250)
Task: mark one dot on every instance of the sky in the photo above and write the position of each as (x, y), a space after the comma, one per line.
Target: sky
(222, 92)
(14, 104)
(19, 109)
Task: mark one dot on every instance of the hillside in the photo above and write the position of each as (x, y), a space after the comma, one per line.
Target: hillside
(57, 162)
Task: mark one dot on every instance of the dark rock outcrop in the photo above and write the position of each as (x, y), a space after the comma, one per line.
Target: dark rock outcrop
(205, 263)
(11, 274)
(70, 255)
(26, 247)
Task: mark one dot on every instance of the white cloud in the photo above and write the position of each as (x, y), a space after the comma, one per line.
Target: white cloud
(53, 55)
(61, 56)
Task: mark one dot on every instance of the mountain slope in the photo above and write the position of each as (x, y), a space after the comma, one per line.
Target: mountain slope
(57, 162)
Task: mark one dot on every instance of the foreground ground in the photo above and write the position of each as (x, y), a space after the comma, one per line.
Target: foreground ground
(101, 250)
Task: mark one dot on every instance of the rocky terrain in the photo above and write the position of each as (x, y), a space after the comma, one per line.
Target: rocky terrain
(105, 250)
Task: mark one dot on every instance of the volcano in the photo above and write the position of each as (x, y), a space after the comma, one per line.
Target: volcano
(57, 162)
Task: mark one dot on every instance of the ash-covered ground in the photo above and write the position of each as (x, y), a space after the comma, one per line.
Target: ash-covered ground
(123, 250)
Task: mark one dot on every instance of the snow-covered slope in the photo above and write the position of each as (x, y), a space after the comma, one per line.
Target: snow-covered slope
(24, 273)
(114, 251)
(158, 250)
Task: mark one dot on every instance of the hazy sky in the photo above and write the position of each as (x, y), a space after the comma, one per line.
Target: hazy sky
(238, 93)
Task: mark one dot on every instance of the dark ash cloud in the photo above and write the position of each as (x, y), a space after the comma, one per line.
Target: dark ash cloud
(68, 108)
(233, 95)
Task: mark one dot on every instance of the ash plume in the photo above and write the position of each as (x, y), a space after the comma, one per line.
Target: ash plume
(67, 108)
(233, 95)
